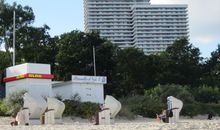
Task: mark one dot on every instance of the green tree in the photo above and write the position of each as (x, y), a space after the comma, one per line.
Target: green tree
(50, 52)
(5, 61)
(181, 64)
(129, 72)
(24, 17)
(105, 64)
(75, 55)
(35, 45)
(211, 74)
(154, 66)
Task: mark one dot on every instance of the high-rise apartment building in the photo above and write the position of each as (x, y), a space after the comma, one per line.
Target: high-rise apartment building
(137, 23)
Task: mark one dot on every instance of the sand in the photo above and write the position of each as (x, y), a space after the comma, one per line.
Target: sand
(120, 124)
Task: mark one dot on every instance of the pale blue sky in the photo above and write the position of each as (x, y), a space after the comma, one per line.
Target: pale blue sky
(60, 15)
(67, 15)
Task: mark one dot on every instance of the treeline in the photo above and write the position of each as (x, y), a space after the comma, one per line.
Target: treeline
(129, 71)
(196, 101)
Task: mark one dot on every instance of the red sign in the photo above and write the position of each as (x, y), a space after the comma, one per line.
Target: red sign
(29, 75)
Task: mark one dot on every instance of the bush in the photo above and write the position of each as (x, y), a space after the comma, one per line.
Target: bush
(155, 100)
(214, 109)
(126, 112)
(70, 107)
(200, 109)
(80, 109)
(190, 110)
(87, 109)
(148, 106)
(164, 91)
(145, 106)
(154, 92)
(207, 94)
(3, 109)
(14, 102)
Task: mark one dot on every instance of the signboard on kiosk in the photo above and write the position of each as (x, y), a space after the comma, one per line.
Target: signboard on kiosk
(89, 79)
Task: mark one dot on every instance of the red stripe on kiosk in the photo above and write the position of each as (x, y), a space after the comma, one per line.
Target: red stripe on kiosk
(29, 75)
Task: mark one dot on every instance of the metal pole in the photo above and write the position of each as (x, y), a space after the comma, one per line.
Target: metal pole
(94, 65)
(14, 39)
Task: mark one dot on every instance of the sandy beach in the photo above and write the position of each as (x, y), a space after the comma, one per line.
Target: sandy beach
(120, 124)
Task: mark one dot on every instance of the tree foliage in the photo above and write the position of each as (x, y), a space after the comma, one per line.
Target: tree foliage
(24, 17)
(75, 55)
(181, 64)
(33, 45)
(211, 75)
(129, 76)
(5, 61)
(154, 70)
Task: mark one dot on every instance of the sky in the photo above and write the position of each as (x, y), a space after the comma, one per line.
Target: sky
(67, 15)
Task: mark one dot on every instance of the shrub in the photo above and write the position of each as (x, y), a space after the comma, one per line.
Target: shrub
(214, 109)
(206, 108)
(141, 105)
(155, 100)
(148, 107)
(14, 102)
(154, 92)
(200, 109)
(207, 94)
(87, 109)
(70, 107)
(81, 109)
(164, 91)
(126, 112)
(190, 110)
(3, 109)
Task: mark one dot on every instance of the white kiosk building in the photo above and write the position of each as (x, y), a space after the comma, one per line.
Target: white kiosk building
(35, 78)
(88, 88)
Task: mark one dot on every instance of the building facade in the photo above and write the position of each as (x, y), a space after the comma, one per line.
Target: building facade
(136, 23)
